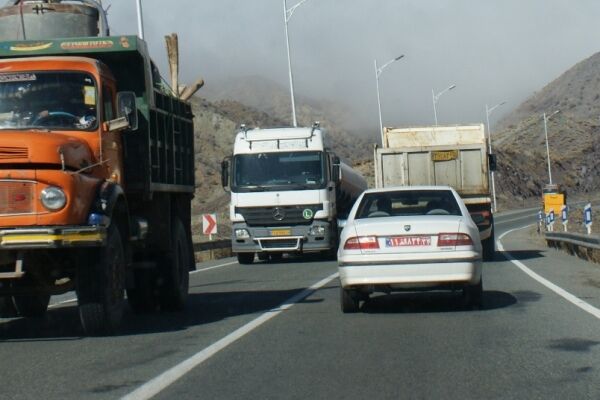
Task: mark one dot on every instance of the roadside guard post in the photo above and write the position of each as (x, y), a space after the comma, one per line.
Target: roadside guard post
(540, 220)
(587, 217)
(551, 220)
(564, 215)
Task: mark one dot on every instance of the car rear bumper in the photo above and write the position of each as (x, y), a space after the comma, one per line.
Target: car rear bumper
(411, 273)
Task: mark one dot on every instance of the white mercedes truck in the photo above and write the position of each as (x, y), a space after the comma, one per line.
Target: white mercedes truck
(287, 192)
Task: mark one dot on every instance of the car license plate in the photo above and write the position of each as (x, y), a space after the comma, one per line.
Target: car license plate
(444, 155)
(406, 241)
(281, 232)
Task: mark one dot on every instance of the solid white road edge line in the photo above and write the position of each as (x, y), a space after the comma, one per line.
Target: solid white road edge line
(556, 289)
(162, 381)
(512, 220)
(213, 267)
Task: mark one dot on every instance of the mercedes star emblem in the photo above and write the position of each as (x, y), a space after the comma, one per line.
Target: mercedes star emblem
(278, 214)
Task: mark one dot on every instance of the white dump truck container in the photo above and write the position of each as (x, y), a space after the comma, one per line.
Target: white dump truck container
(456, 156)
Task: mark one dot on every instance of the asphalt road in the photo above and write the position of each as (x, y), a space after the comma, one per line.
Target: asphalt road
(257, 332)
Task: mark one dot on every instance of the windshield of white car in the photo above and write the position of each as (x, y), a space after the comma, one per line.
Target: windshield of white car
(279, 171)
(48, 100)
(407, 203)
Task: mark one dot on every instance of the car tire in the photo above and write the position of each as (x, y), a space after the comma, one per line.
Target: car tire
(348, 301)
(245, 258)
(473, 295)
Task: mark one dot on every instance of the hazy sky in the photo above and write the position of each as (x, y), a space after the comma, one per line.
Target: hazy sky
(493, 50)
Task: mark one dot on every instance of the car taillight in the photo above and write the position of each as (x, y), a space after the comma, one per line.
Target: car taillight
(454, 239)
(361, 243)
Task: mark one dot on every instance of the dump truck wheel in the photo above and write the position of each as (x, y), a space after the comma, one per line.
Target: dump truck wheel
(101, 288)
(143, 297)
(32, 306)
(7, 307)
(175, 271)
(489, 248)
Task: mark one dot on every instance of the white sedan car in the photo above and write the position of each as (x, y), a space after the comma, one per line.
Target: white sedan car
(409, 238)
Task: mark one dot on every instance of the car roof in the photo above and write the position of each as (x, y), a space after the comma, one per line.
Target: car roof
(408, 188)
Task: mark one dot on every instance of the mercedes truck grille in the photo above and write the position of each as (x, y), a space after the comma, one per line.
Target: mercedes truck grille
(279, 216)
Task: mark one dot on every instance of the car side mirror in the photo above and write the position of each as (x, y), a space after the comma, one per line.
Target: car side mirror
(335, 169)
(127, 108)
(492, 162)
(225, 173)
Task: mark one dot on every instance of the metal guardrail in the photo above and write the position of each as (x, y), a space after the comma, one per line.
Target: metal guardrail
(214, 245)
(577, 239)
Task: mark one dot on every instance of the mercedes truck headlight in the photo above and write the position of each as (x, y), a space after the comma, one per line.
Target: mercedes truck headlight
(53, 198)
(242, 234)
(317, 230)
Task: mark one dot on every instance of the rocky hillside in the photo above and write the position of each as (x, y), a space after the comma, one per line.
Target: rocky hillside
(573, 137)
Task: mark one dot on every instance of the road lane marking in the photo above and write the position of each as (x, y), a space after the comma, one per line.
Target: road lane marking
(497, 222)
(162, 381)
(213, 267)
(555, 288)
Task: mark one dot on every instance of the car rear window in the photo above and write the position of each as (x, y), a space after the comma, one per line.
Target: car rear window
(407, 202)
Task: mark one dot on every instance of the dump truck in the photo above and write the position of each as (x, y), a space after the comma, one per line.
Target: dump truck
(96, 172)
(455, 156)
(288, 191)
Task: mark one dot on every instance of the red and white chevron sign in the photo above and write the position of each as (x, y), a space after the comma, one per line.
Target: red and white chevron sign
(209, 224)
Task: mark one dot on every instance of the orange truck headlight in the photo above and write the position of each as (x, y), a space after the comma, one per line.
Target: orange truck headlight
(53, 198)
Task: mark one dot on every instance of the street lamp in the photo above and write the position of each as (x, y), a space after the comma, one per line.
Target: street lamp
(488, 112)
(378, 71)
(287, 15)
(139, 19)
(546, 118)
(436, 97)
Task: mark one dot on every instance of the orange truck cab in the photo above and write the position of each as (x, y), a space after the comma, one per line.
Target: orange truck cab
(96, 180)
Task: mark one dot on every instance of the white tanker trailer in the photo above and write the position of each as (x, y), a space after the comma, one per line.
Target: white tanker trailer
(287, 192)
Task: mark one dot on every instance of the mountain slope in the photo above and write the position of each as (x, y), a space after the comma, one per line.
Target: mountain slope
(573, 137)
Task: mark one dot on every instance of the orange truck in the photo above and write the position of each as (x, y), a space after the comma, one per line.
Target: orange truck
(96, 180)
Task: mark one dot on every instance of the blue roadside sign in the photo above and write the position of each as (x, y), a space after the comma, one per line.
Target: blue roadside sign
(587, 215)
(564, 213)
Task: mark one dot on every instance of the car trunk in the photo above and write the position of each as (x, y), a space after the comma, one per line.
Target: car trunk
(406, 235)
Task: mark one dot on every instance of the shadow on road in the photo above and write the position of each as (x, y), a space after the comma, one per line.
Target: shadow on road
(521, 254)
(63, 323)
(434, 302)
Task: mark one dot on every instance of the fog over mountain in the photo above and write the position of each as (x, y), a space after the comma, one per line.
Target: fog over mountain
(496, 50)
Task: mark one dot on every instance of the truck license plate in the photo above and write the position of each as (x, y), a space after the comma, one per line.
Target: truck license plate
(444, 155)
(281, 232)
(406, 241)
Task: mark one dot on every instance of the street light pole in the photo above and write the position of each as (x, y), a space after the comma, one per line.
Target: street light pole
(287, 15)
(546, 118)
(488, 112)
(140, 20)
(378, 72)
(435, 98)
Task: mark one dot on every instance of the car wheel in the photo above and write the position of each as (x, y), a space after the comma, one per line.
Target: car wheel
(348, 301)
(473, 295)
(245, 258)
